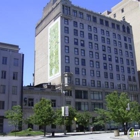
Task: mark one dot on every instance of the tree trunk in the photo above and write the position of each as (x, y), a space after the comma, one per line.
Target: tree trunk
(44, 130)
(125, 128)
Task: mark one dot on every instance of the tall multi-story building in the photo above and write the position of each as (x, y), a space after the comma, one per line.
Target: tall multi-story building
(88, 54)
(11, 81)
(129, 10)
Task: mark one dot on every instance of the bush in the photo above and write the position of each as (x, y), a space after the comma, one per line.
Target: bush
(13, 131)
(29, 129)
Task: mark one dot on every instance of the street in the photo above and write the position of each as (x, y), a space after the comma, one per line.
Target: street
(103, 136)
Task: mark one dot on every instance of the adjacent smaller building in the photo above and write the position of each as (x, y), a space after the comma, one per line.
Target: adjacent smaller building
(32, 95)
(11, 81)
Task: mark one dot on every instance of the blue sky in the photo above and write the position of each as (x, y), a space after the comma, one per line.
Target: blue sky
(18, 19)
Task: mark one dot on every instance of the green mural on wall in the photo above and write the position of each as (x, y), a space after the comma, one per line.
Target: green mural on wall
(54, 50)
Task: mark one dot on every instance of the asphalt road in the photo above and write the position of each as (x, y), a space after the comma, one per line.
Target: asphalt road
(104, 136)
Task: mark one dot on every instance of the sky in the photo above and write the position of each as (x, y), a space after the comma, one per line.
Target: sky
(18, 19)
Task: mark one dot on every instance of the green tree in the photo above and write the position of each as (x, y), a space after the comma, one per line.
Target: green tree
(14, 116)
(121, 110)
(102, 118)
(83, 119)
(68, 120)
(43, 114)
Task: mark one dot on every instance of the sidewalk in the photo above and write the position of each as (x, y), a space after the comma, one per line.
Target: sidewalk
(125, 137)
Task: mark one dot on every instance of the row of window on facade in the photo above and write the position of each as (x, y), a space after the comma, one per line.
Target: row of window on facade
(95, 30)
(2, 104)
(4, 90)
(91, 54)
(4, 75)
(97, 64)
(92, 72)
(5, 61)
(94, 19)
(103, 40)
(30, 102)
(106, 84)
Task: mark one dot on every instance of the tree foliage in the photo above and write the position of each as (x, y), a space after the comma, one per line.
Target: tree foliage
(65, 120)
(83, 118)
(102, 118)
(43, 114)
(14, 116)
(117, 107)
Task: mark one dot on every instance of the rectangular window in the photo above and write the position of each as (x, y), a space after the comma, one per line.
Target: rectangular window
(82, 52)
(91, 63)
(108, 41)
(76, 70)
(77, 81)
(66, 21)
(95, 95)
(97, 64)
(66, 49)
(84, 83)
(106, 23)
(92, 73)
(88, 17)
(119, 37)
(96, 46)
(96, 55)
(75, 41)
(105, 66)
(67, 69)
(83, 62)
(107, 33)
(14, 90)
(109, 58)
(53, 102)
(110, 67)
(113, 25)
(91, 54)
(67, 59)
(2, 104)
(90, 36)
(101, 21)
(117, 68)
(83, 71)
(109, 49)
(89, 28)
(2, 89)
(81, 26)
(4, 60)
(95, 30)
(30, 102)
(95, 106)
(66, 30)
(102, 32)
(76, 51)
(75, 32)
(75, 24)
(106, 85)
(92, 83)
(104, 56)
(95, 38)
(98, 83)
(82, 43)
(66, 39)
(66, 10)
(105, 74)
(111, 75)
(98, 73)
(94, 19)
(111, 85)
(74, 13)
(81, 15)
(118, 76)
(82, 34)
(103, 39)
(90, 45)
(76, 61)
(3, 74)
